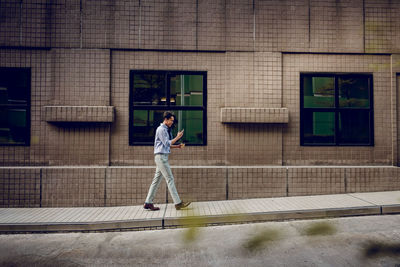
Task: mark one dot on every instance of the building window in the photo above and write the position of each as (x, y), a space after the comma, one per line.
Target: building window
(153, 92)
(15, 94)
(336, 109)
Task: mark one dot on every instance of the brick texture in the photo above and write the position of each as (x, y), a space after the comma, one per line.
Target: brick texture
(256, 182)
(122, 186)
(382, 32)
(200, 183)
(316, 181)
(19, 187)
(73, 187)
(129, 186)
(78, 114)
(80, 53)
(372, 179)
(254, 115)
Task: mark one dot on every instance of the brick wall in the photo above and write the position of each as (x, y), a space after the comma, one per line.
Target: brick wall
(80, 54)
(122, 186)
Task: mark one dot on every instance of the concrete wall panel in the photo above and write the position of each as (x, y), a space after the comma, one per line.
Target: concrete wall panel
(239, 16)
(129, 186)
(316, 181)
(282, 25)
(168, 25)
(370, 179)
(256, 182)
(73, 187)
(211, 25)
(66, 24)
(382, 26)
(336, 26)
(19, 187)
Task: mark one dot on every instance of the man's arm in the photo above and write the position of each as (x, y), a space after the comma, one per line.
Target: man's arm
(178, 136)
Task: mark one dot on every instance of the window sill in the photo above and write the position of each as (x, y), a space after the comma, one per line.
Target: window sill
(78, 113)
(254, 115)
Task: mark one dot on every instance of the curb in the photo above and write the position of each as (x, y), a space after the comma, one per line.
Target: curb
(179, 222)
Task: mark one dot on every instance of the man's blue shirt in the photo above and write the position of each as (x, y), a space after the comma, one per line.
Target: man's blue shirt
(162, 142)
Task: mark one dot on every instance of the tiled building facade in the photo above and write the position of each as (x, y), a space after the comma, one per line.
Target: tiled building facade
(80, 55)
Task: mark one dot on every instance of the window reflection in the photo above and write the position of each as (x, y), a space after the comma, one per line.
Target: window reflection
(319, 92)
(145, 122)
(186, 90)
(353, 92)
(149, 89)
(319, 127)
(192, 122)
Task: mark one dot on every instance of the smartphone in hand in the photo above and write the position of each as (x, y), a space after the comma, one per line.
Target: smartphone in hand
(180, 134)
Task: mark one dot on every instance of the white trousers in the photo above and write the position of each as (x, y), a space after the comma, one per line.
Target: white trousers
(163, 169)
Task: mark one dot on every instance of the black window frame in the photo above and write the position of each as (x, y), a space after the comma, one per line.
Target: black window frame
(336, 109)
(27, 106)
(167, 74)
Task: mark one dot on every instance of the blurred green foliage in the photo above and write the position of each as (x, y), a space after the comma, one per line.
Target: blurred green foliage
(261, 239)
(320, 228)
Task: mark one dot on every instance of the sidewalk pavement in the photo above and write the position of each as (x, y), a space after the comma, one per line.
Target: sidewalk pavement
(20, 220)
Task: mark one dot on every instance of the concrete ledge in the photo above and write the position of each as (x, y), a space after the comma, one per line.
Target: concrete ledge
(254, 115)
(78, 113)
(391, 209)
(80, 227)
(270, 216)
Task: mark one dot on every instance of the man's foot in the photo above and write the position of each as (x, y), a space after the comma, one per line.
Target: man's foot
(182, 205)
(150, 206)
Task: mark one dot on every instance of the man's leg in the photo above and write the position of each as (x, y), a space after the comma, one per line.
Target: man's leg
(165, 169)
(154, 186)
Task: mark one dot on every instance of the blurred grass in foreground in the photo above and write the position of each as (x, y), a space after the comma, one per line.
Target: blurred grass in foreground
(261, 239)
(193, 222)
(319, 228)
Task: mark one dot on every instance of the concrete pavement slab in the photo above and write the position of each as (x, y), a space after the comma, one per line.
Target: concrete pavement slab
(388, 201)
(78, 219)
(202, 213)
(266, 209)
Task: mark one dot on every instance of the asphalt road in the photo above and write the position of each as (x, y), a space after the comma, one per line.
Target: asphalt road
(352, 241)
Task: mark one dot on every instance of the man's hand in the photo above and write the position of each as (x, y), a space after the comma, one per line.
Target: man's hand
(180, 134)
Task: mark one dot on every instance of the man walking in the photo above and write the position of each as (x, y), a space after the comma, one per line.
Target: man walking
(162, 149)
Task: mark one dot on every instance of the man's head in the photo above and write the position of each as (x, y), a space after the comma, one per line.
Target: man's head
(169, 118)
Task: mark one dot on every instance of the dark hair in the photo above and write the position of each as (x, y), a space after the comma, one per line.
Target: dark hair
(168, 114)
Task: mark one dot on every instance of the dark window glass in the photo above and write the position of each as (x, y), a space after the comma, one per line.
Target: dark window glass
(153, 92)
(14, 106)
(336, 109)
(354, 92)
(319, 127)
(145, 123)
(186, 90)
(149, 89)
(319, 92)
(354, 127)
(192, 122)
